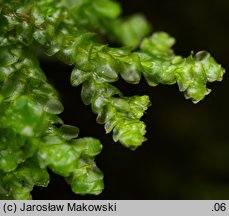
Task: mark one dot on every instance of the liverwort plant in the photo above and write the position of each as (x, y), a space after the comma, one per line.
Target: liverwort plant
(32, 136)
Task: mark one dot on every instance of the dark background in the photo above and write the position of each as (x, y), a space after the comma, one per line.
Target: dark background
(186, 155)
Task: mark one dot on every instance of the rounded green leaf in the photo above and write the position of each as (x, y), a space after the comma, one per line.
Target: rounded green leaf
(31, 174)
(54, 106)
(62, 159)
(9, 163)
(130, 133)
(88, 146)
(107, 8)
(69, 132)
(78, 77)
(87, 180)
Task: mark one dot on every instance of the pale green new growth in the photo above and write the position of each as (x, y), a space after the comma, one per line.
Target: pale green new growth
(32, 137)
(191, 74)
